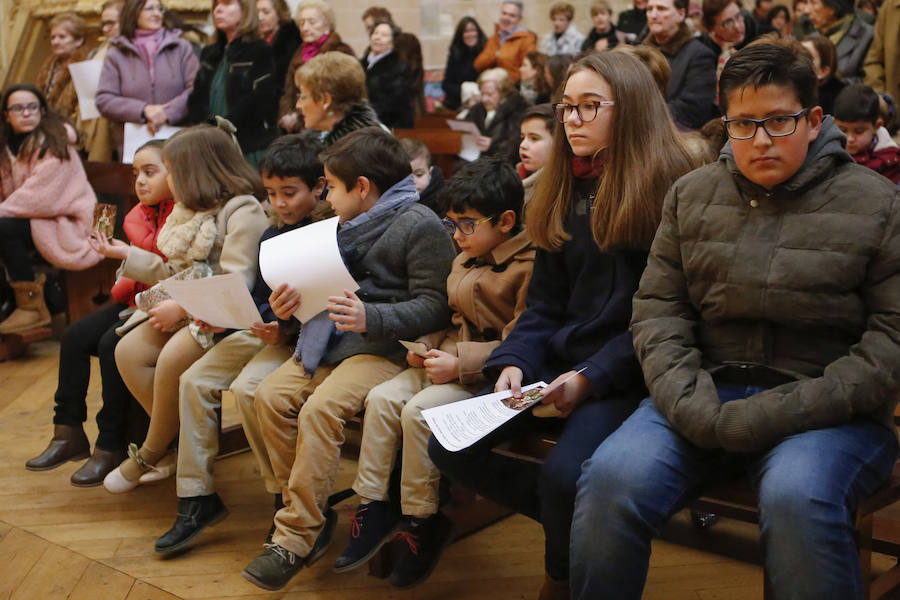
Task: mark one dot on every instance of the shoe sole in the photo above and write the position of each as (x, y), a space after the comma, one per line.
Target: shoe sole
(215, 521)
(86, 454)
(371, 553)
(87, 485)
(271, 588)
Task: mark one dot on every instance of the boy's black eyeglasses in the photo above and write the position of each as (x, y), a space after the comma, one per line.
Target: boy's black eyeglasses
(465, 226)
(775, 126)
(587, 111)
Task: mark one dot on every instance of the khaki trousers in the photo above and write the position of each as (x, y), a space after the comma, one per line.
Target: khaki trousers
(241, 361)
(302, 421)
(394, 411)
(150, 362)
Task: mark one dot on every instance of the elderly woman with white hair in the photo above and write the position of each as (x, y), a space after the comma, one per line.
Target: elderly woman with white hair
(498, 115)
(315, 18)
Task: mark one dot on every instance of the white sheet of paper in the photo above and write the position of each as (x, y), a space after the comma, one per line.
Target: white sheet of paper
(86, 78)
(469, 150)
(460, 424)
(220, 300)
(417, 348)
(463, 126)
(308, 260)
(138, 134)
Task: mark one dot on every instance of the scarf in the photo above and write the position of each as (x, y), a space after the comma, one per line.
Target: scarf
(309, 50)
(187, 236)
(147, 43)
(586, 168)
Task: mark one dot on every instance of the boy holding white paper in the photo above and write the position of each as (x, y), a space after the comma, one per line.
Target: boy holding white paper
(399, 253)
(293, 177)
(486, 291)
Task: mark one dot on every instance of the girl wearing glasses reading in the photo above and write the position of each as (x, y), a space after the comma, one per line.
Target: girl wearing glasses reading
(592, 217)
(46, 202)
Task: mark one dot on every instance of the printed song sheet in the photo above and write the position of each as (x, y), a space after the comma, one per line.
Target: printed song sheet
(86, 78)
(221, 300)
(460, 424)
(136, 135)
(308, 260)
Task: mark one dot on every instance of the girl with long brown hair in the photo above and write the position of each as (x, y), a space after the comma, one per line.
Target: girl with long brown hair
(593, 216)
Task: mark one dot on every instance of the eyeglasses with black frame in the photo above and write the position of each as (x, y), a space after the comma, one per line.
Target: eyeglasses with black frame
(32, 107)
(775, 126)
(465, 226)
(587, 110)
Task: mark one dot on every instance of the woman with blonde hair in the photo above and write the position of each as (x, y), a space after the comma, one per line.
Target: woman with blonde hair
(315, 18)
(67, 32)
(236, 79)
(593, 216)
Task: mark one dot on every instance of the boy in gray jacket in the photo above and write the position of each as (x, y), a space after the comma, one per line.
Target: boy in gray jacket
(400, 254)
(768, 330)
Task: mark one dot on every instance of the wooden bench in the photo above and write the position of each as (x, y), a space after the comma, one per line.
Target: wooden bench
(443, 144)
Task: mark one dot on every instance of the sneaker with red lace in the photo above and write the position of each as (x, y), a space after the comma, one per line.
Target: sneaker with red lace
(373, 524)
(425, 540)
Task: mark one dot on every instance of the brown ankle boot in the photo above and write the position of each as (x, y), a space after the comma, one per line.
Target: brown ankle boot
(31, 310)
(554, 589)
(68, 443)
(97, 467)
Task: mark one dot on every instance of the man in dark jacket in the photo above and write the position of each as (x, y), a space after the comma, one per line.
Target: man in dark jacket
(767, 328)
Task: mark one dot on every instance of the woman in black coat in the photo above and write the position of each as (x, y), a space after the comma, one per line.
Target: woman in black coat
(281, 33)
(387, 78)
(236, 79)
(498, 116)
(468, 42)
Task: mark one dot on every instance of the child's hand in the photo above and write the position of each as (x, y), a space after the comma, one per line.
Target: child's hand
(165, 315)
(441, 367)
(207, 328)
(108, 247)
(284, 301)
(348, 312)
(566, 396)
(270, 333)
(510, 379)
(414, 360)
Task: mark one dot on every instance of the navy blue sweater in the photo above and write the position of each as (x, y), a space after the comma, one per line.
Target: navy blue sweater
(578, 310)
(261, 290)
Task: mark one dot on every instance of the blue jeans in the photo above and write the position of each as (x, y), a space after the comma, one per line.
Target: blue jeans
(545, 492)
(809, 485)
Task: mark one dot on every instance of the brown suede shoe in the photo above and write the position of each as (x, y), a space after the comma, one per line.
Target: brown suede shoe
(554, 589)
(68, 443)
(100, 463)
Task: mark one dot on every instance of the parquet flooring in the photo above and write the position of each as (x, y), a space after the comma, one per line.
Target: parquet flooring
(58, 541)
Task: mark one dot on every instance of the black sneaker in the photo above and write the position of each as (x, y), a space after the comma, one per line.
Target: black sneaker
(425, 540)
(274, 568)
(371, 526)
(194, 515)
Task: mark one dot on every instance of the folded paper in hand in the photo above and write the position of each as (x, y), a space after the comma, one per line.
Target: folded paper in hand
(220, 300)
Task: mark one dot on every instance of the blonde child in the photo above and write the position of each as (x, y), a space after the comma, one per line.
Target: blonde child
(214, 228)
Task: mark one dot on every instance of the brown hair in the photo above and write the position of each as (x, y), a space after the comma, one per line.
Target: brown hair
(628, 203)
(538, 60)
(562, 8)
(600, 6)
(654, 60)
(74, 24)
(415, 148)
(370, 152)
(378, 13)
(50, 135)
(282, 10)
(207, 168)
(334, 73)
(248, 28)
(112, 4)
(321, 6)
(826, 50)
(128, 18)
(711, 10)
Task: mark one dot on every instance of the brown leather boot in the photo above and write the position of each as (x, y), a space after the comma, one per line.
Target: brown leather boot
(68, 443)
(554, 589)
(31, 310)
(97, 467)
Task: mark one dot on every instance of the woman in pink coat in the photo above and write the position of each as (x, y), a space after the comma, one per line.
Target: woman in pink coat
(148, 72)
(46, 202)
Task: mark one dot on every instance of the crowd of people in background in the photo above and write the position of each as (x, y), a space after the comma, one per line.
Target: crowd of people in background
(627, 168)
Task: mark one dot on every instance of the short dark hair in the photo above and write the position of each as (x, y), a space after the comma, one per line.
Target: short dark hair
(294, 155)
(369, 152)
(541, 111)
(489, 185)
(857, 102)
(415, 148)
(777, 63)
(711, 10)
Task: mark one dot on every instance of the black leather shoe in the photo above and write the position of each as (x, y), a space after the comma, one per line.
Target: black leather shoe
(323, 541)
(373, 524)
(425, 540)
(194, 515)
(100, 463)
(274, 568)
(68, 443)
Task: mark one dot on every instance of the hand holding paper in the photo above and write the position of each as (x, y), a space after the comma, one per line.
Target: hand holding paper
(563, 394)
(220, 301)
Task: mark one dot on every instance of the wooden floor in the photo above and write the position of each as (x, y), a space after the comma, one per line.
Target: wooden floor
(58, 541)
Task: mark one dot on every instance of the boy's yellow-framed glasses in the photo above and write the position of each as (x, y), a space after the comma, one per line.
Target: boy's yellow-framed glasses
(465, 226)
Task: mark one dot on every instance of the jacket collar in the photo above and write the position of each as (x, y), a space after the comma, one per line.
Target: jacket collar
(170, 38)
(510, 248)
(682, 36)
